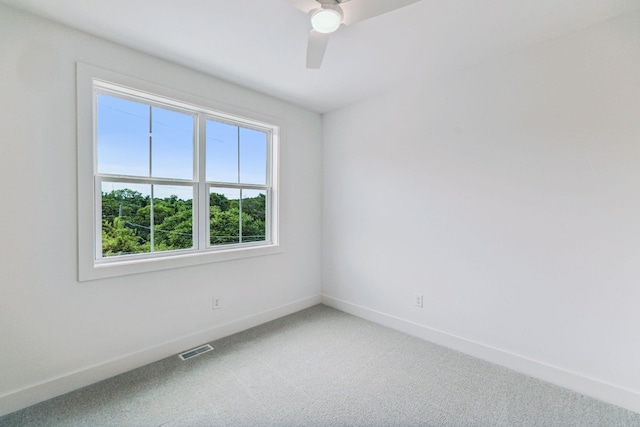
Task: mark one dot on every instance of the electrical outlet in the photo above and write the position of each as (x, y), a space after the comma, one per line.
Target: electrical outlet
(419, 300)
(216, 303)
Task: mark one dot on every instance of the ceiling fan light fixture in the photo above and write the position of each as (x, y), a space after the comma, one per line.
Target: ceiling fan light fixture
(326, 20)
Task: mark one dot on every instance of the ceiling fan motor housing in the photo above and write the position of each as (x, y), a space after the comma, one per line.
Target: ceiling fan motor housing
(328, 17)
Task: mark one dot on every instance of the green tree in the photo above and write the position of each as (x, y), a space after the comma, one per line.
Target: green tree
(253, 229)
(127, 221)
(224, 226)
(117, 239)
(175, 232)
(219, 200)
(256, 207)
(123, 203)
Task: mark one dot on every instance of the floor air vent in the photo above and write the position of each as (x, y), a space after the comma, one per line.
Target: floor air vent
(195, 352)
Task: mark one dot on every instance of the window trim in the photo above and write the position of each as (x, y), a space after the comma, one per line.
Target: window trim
(90, 265)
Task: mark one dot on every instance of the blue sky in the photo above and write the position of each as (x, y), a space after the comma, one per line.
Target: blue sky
(123, 147)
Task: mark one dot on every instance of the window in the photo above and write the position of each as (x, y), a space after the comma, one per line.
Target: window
(174, 182)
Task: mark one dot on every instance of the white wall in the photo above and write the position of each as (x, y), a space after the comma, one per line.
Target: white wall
(509, 195)
(56, 333)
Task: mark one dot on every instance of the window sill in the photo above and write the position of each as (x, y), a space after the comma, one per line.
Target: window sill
(122, 268)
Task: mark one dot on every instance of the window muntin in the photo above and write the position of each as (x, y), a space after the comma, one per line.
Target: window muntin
(150, 169)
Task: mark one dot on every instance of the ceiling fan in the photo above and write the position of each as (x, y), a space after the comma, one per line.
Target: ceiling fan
(328, 15)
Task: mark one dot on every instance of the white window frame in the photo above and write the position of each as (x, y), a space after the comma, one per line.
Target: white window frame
(91, 265)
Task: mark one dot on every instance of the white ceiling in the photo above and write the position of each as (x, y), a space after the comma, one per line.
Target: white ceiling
(261, 44)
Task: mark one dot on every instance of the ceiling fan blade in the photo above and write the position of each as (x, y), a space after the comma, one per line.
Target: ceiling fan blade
(316, 47)
(359, 10)
(305, 6)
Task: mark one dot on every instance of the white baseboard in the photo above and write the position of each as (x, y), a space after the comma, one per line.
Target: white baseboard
(582, 384)
(53, 387)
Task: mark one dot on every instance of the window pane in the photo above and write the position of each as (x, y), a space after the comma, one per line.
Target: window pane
(224, 219)
(172, 144)
(172, 217)
(123, 136)
(127, 212)
(124, 230)
(222, 152)
(254, 209)
(253, 156)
